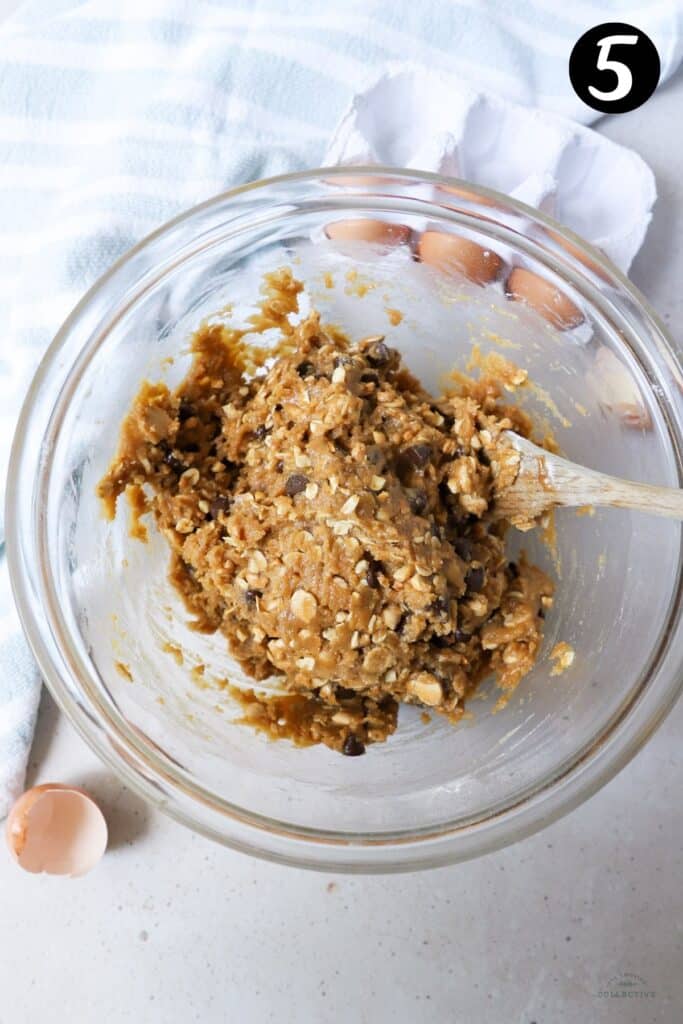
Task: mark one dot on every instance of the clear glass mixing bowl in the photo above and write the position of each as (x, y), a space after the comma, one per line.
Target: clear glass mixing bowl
(97, 608)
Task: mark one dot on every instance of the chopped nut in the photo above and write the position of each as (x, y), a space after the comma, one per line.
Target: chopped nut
(392, 615)
(303, 605)
(339, 375)
(307, 663)
(184, 525)
(257, 562)
(377, 483)
(349, 505)
(426, 688)
(403, 573)
(311, 491)
(190, 477)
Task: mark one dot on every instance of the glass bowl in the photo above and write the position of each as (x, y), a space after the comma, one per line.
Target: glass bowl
(109, 633)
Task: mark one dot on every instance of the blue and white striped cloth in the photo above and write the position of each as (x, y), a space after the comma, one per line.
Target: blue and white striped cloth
(117, 114)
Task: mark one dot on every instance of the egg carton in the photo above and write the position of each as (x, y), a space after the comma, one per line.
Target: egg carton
(415, 118)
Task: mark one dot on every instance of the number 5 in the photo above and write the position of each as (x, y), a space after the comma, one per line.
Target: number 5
(622, 71)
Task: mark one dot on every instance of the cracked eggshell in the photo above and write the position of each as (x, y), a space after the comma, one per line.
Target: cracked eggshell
(56, 829)
(616, 389)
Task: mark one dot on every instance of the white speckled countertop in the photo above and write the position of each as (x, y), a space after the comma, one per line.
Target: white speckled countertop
(172, 928)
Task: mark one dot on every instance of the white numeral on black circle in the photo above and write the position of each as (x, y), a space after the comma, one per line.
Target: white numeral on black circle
(622, 71)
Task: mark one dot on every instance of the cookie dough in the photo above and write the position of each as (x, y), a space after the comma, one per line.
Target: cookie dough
(329, 516)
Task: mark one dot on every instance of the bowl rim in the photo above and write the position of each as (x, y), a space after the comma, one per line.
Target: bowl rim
(335, 851)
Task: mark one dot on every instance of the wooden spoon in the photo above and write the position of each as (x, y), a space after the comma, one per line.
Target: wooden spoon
(545, 481)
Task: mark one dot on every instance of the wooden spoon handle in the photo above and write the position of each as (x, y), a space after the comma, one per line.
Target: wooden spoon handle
(576, 486)
(545, 480)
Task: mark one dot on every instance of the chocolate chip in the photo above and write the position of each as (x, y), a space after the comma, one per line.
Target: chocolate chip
(344, 693)
(474, 580)
(296, 483)
(251, 596)
(218, 505)
(374, 568)
(379, 354)
(464, 548)
(448, 419)
(369, 378)
(416, 457)
(418, 502)
(353, 746)
(305, 369)
(172, 462)
(192, 448)
(185, 410)
(375, 456)
(260, 432)
(513, 569)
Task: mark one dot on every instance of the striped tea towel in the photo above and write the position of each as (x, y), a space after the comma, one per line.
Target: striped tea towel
(114, 116)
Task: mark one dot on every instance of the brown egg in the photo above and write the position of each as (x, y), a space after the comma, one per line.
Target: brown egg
(616, 389)
(577, 253)
(359, 180)
(543, 296)
(364, 229)
(458, 255)
(465, 193)
(56, 829)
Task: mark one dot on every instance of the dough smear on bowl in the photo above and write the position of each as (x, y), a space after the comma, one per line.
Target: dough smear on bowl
(330, 518)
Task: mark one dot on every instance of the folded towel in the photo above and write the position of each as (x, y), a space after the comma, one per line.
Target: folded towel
(113, 118)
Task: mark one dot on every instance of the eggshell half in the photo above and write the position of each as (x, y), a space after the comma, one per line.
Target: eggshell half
(363, 229)
(578, 254)
(56, 829)
(457, 255)
(617, 390)
(557, 308)
(464, 193)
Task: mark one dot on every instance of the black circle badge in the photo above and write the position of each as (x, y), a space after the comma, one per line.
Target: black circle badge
(614, 67)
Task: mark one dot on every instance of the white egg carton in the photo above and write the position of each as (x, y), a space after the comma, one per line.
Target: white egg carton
(430, 121)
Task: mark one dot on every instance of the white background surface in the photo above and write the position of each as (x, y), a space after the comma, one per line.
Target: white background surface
(171, 928)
